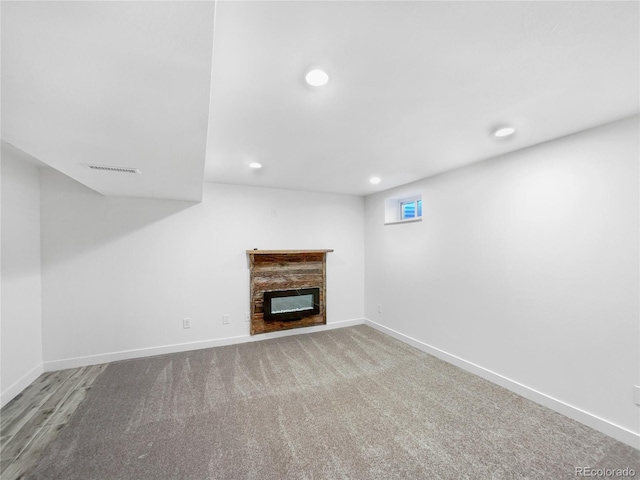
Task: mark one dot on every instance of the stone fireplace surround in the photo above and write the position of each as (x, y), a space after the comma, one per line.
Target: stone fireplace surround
(277, 270)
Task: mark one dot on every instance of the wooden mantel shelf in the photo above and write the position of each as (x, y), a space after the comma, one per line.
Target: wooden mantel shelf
(286, 252)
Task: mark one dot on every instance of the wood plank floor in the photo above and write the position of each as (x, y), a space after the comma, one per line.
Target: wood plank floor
(32, 419)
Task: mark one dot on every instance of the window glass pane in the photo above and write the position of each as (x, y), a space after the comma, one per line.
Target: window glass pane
(419, 208)
(408, 210)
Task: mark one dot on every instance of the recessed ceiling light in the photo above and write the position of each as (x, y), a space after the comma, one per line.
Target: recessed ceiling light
(317, 78)
(504, 132)
(375, 180)
(255, 165)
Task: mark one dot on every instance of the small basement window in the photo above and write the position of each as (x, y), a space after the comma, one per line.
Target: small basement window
(403, 209)
(411, 209)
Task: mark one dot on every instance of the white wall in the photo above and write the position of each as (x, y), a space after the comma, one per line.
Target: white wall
(21, 327)
(525, 270)
(120, 274)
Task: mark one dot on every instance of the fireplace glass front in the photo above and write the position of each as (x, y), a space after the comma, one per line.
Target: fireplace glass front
(288, 305)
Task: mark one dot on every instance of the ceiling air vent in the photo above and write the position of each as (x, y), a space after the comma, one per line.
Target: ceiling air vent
(109, 168)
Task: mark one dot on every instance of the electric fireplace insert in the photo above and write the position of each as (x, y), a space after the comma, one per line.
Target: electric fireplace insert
(288, 305)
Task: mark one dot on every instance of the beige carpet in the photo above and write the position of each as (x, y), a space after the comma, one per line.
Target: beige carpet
(349, 404)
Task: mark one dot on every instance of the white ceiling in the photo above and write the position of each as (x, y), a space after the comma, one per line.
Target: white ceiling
(415, 88)
(111, 83)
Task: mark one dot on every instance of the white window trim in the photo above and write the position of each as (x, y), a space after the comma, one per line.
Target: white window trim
(406, 220)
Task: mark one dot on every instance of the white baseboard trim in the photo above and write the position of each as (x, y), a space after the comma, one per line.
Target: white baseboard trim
(616, 431)
(76, 362)
(14, 390)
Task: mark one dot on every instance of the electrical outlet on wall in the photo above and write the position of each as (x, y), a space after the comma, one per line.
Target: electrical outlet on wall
(247, 317)
(636, 394)
(379, 308)
(225, 318)
(186, 323)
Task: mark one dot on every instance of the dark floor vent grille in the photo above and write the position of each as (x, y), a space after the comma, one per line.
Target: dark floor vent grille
(109, 168)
